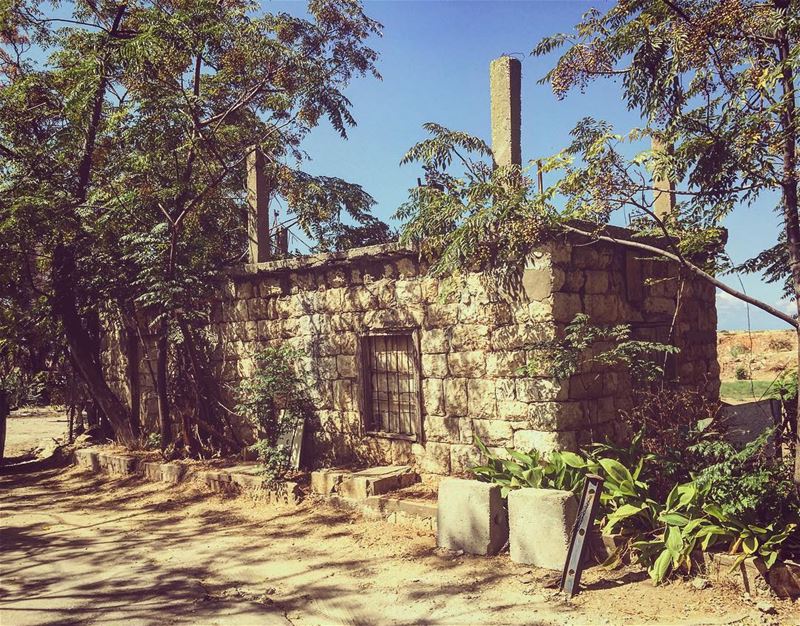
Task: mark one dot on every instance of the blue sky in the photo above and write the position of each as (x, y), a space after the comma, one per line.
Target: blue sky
(434, 62)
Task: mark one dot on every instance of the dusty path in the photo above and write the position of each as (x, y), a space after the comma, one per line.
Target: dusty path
(83, 549)
(31, 427)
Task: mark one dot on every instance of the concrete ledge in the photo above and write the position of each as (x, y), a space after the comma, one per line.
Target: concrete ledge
(392, 510)
(241, 478)
(471, 516)
(117, 464)
(540, 523)
(362, 484)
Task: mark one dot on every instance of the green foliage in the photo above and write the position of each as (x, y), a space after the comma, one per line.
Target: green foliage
(560, 470)
(747, 484)
(585, 344)
(785, 387)
(273, 399)
(741, 373)
(124, 128)
(663, 532)
(711, 82)
(153, 441)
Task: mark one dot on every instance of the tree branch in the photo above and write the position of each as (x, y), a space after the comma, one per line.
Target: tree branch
(692, 268)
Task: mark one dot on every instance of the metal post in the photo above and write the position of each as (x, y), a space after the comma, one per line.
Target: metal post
(573, 568)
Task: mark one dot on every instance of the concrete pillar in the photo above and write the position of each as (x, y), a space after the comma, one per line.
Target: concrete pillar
(663, 196)
(505, 81)
(257, 208)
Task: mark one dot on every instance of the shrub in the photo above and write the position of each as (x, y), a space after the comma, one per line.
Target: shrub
(274, 400)
(663, 533)
(779, 344)
(667, 423)
(749, 484)
(741, 373)
(738, 350)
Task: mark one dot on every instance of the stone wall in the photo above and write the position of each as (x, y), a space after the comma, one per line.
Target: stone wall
(473, 337)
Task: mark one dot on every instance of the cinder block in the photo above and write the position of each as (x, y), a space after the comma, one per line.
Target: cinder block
(540, 522)
(471, 516)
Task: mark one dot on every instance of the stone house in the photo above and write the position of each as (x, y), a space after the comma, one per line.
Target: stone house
(406, 368)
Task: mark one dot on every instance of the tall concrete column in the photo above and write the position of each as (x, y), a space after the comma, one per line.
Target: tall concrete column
(505, 81)
(663, 194)
(257, 208)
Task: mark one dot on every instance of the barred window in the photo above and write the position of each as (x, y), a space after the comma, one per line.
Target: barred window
(391, 384)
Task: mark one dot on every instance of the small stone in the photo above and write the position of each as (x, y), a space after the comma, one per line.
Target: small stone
(766, 607)
(700, 583)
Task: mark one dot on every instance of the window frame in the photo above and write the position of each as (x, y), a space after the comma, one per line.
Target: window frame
(367, 417)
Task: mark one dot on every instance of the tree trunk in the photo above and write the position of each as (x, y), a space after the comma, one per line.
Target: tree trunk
(162, 389)
(81, 345)
(133, 357)
(5, 409)
(791, 217)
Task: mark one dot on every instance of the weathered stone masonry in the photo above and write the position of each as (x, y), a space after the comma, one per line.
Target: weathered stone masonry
(470, 337)
(473, 337)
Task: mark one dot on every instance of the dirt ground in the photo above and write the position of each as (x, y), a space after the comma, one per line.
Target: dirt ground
(32, 427)
(78, 548)
(764, 353)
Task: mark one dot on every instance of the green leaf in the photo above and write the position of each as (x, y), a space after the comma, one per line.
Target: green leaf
(674, 542)
(658, 572)
(750, 544)
(573, 460)
(616, 470)
(674, 519)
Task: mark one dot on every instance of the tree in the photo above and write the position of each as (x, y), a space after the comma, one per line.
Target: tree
(124, 157)
(714, 83)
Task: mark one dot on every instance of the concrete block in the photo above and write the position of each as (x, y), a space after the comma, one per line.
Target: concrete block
(151, 471)
(325, 481)
(471, 516)
(376, 481)
(117, 464)
(172, 473)
(88, 459)
(540, 524)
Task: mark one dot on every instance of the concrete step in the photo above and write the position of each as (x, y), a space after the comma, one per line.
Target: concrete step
(362, 484)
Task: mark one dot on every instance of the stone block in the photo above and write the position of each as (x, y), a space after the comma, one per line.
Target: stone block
(537, 283)
(505, 364)
(481, 400)
(493, 432)
(376, 481)
(117, 464)
(455, 396)
(435, 459)
(433, 396)
(540, 523)
(88, 459)
(444, 429)
(434, 365)
(470, 364)
(326, 481)
(469, 337)
(172, 472)
(151, 471)
(464, 457)
(346, 366)
(471, 516)
(440, 315)
(434, 341)
(544, 441)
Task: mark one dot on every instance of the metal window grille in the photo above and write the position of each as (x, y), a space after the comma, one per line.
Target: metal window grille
(392, 384)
